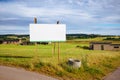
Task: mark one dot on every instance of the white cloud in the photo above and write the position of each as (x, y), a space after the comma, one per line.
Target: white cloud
(25, 11)
(10, 27)
(11, 18)
(111, 18)
(76, 13)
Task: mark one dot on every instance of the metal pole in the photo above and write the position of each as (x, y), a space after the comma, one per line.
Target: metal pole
(58, 22)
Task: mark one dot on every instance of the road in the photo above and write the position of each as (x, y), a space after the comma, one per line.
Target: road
(9, 73)
(114, 76)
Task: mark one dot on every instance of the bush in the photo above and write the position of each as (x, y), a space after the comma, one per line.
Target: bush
(85, 62)
(93, 70)
(59, 73)
(69, 68)
(40, 64)
(108, 65)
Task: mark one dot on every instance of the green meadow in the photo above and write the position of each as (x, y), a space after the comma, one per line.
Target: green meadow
(40, 58)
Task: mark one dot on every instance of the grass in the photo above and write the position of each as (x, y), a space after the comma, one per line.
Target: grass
(40, 58)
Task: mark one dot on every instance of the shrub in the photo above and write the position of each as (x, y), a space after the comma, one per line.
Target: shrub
(84, 62)
(69, 68)
(108, 65)
(40, 64)
(59, 73)
(93, 70)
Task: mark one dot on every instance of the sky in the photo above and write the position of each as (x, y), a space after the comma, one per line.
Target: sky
(80, 16)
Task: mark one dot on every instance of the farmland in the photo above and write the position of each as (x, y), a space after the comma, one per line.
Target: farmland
(40, 58)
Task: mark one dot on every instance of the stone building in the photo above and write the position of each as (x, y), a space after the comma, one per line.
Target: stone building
(17, 41)
(104, 46)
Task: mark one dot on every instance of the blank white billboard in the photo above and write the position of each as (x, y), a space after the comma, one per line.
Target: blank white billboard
(47, 32)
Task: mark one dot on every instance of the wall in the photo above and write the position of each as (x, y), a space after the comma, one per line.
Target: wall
(105, 47)
(112, 48)
(96, 46)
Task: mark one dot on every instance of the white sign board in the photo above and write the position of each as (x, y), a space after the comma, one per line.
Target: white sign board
(47, 32)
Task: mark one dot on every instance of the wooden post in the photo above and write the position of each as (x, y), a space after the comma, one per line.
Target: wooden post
(35, 57)
(58, 52)
(58, 47)
(54, 48)
(35, 20)
(54, 42)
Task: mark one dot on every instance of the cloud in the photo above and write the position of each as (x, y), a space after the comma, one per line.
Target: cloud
(14, 29)
(2, 27)
(77, 14)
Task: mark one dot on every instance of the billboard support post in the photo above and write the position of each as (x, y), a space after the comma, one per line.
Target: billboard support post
(35, 22)
(54, 48)
(58, 52)
(58, 47)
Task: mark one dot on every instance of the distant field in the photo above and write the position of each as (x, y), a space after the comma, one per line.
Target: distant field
(40, 58)
(98, 39)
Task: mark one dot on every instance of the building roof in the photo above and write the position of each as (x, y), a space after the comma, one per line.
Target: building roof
(115, 44)
(110, 43)
(100, 42)
(11, 40)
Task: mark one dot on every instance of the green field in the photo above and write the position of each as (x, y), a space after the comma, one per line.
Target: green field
(40, 58)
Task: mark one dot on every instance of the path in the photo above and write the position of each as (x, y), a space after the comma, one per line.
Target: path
(114, 76)
(8, 73)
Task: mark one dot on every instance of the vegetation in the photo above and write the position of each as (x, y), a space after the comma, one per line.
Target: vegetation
(69, 36)
(40, 58)
(95, 64)
(14, 37)
(112, 38)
